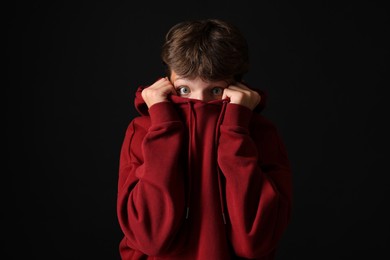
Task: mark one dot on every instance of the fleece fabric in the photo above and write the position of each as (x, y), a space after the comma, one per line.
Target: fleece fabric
(202, 180)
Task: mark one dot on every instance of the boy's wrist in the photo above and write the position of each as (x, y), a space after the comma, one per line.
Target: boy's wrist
(163, 112)
(237, 115)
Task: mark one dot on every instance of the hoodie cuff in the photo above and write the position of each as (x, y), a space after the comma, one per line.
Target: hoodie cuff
(237, 115)
(163, 112)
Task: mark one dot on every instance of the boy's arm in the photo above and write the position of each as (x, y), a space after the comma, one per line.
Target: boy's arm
(258, 183)
(150, 204)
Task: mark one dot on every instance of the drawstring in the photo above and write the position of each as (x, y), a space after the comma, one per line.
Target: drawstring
(189, 164)
(217, 133)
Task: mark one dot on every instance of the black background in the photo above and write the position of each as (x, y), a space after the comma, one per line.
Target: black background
(73, 67)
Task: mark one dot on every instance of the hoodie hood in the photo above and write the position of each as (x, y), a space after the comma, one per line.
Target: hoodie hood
(203, 121)
(142, 108)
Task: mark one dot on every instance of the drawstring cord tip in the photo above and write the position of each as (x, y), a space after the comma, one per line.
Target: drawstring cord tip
(188, 212)
(224, 218)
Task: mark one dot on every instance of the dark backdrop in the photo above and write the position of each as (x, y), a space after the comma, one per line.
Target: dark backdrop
(72, 69)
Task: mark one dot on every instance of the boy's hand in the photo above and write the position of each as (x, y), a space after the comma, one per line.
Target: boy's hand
(242, 95)
(158, 92)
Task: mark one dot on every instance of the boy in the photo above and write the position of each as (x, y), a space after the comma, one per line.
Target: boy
(202, 175)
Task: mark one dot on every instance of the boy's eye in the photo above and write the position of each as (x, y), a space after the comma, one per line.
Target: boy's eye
(217, 91)
(183, 90)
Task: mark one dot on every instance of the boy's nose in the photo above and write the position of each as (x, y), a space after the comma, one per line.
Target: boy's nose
(200, 96)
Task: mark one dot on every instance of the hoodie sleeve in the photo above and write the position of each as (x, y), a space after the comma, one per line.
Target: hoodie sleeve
(150, 204)
(258, 182)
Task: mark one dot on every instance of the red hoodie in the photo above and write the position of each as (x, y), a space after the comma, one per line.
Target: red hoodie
(202, 180)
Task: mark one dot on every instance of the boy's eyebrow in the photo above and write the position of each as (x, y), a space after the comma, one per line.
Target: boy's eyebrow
(211, 84)
(180, 78)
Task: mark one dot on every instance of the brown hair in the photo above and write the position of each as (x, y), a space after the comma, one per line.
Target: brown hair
(211, 49)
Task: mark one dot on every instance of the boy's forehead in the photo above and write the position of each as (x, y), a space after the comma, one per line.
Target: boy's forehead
(174, 77)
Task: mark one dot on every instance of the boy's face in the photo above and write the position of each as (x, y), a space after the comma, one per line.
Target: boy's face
(197, 88)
